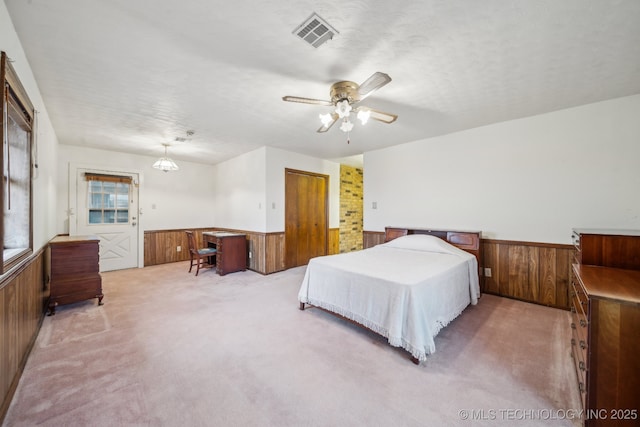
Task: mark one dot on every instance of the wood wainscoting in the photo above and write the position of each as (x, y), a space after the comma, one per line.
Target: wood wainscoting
(23, 295)
(267, 249)
(372, 238)
(534, 272)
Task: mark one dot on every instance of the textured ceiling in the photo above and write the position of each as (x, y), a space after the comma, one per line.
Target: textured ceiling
(130, 75)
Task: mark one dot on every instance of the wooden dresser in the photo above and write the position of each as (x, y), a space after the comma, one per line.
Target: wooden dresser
(232, 250)
(605, 323)
(74, 270)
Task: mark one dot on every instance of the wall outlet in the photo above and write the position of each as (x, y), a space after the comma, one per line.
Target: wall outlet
(179, 249)
(487, 272)
(249, 255)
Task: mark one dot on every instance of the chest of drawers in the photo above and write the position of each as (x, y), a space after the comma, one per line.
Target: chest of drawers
(74, 270)
(605, 323)
(605, 340)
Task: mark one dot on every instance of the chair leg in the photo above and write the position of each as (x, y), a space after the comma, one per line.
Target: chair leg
(197, 266)
(191, 265)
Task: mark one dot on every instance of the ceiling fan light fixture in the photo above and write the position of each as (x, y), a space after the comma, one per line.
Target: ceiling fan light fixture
(343, 109)
(346, 125)
(345, 98)
(326, 119)
(165, 164)
(363, 116)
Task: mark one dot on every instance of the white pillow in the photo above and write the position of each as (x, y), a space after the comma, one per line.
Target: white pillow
(423, 242)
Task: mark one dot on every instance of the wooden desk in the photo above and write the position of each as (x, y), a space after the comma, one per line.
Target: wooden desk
(232, 250)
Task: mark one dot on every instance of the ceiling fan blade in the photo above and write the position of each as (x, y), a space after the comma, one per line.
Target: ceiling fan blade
(323, 129)
(380, 116)
(307, 100)
(373, 83)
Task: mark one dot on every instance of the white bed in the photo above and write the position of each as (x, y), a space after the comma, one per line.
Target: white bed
(406, 290)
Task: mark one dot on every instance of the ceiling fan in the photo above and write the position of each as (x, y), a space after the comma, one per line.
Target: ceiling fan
(344, 96)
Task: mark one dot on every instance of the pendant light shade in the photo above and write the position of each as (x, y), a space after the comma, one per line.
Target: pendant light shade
(165, 163)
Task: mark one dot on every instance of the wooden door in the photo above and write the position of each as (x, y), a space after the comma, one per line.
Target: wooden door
(306, 216)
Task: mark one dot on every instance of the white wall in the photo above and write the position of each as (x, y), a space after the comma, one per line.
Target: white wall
(245, 193)
(240, 191)
(532, 179)
(250, 188)
(44, 182)
(169, 200)
(277, 161)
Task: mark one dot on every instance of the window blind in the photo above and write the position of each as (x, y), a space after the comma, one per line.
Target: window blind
(108, 178)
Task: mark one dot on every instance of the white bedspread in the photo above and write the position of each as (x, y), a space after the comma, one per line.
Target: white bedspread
(400, 291)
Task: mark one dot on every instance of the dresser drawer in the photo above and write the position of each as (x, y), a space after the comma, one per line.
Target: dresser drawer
(80, 284)
(578, 355)
(62, 252)
(579, 303)
(579, 334)
(577, 252)
(72, 268)
(579, 331)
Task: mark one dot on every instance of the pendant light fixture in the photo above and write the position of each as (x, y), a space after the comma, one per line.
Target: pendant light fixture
(165, 163)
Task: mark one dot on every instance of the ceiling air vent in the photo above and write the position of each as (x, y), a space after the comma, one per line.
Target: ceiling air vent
(315, 30)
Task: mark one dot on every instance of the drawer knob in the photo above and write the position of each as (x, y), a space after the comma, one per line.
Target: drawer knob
(581, 387)
(581, 366)
(573, 325)
(583, 345)
(583, 323)
(573, 341)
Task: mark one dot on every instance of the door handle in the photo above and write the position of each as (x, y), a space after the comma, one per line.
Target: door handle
(133, 224)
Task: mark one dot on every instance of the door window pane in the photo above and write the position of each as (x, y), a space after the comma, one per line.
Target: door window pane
(95, 186)
(95, 201)
(123, 216)
(108, 202)
(109, 217)
(95, 217)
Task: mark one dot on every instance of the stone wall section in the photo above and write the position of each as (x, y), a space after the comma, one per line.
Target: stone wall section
(351, 208)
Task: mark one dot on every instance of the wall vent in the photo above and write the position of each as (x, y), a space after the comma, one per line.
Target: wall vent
(315, 30)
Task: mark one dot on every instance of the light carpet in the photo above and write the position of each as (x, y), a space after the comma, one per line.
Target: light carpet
(171, 349)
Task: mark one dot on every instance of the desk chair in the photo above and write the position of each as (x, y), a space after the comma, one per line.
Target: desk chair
(201, 257)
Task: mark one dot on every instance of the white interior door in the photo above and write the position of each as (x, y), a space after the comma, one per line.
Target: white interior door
(107, 207)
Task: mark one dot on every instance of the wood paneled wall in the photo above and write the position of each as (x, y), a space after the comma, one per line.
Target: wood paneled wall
(333, 245)
(372, 238)
(534, 272)
(267, 249)
(22, 305)
(160, 247)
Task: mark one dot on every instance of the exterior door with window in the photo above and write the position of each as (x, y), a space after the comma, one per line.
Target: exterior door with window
(108, 208)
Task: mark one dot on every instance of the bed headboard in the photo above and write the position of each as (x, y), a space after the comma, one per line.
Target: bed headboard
(466, 240)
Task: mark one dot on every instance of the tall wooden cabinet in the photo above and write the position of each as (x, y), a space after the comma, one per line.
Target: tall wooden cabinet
(74, 270)
(605, 307)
